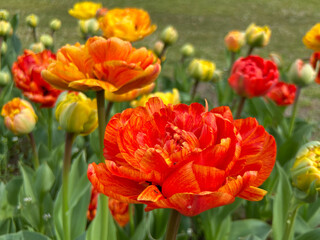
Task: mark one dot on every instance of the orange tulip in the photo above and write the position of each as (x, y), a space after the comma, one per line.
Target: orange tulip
(119, 211)
(113, 65)
(19, 116)
(92, 209)
(27, 76)
(129, 24)
(183, 157)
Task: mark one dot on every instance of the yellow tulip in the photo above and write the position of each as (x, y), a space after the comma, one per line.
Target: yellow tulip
(312, 38)
(201, 70)
(257, 36)
(85, 10)
(32, 20)
(306, 169)
(76, 113)
(167, 98)
(19, 116)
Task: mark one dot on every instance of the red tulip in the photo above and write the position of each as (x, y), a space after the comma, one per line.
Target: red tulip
(120, 211)
(92, 209)
(27, 76)
(315, 57)
(183, 157)
(253, 76)
(283, 94)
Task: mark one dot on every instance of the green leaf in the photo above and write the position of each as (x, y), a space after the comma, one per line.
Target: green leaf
(102, 222)
(13, 189)
(79, 198)
(281, 205)
(161, 217)
(28, 184)
(143, 228)
(247, 227)
(14, 22)
(7, 226)
(44, 180)
(312, 235)
(24, 235)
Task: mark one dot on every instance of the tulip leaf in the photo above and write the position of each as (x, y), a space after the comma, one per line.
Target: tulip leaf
(13, 189)
(44, 181)
(143, 228)
(79, 197)
(244, 228)
(25, 235)
(102, 223)
(281, 205)
(161, 217)
(7, 226)
(312, 235)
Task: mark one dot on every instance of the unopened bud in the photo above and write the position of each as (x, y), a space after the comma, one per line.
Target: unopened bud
(169, 35)
(55, 24)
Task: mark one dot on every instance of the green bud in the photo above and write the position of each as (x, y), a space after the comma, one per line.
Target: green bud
(37, 47)
(4, 78)
(201, 70)
(4, 48)
(46, 40)
(55, 24)
(5, 29)
(4, 14)
(32, 20)
(300, 73)
(169, 35)
(187, 50)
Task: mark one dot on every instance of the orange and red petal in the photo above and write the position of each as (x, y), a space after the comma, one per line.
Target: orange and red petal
(258, 149)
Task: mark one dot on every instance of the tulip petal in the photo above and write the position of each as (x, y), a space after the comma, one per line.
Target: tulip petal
(209, 178)
(151, 193)
(119, 188)
(253, 194)
(190, 204)
(258, 149)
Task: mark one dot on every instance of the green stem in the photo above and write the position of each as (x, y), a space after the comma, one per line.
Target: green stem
(50, 129)
(65, 185)
(101, 120)
(289, 232)
(34, 34)
(240, 107)
(232, 60)
(108, 111)
(1, 39)
(173, 225)
(294, 111)
(250, 51)
(194, 89)
(103, 200)
(34, 150)
(131, 212)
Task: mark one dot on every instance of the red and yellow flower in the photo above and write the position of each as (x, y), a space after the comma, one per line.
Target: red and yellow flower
(183, 157)
(130, 24)
(253, 76)
(315, 58)
(19, 116)
(112, 65)
(27, 76)
(312, 38)
(283, 94)
(120, 211)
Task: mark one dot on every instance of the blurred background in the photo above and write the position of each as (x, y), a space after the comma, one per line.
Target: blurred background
(203, 23)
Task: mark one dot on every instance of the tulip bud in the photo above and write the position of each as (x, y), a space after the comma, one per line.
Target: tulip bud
(234, 41)
(37, 47)
(301, 74)
(257, 36)
(201, 70)
(306, 169)
(89, 27)
(5, 28)
(55, 24)
(46, 40)
(32, 20)
(169, 35)
(4, 48)
(4, 14)
(158, 47)
(217, 75)
(19, 116)
(4, 78)
(277, 59)
(187, 50)
(76, 113)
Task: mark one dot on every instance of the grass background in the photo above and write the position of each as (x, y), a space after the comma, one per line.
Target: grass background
(204, 23)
